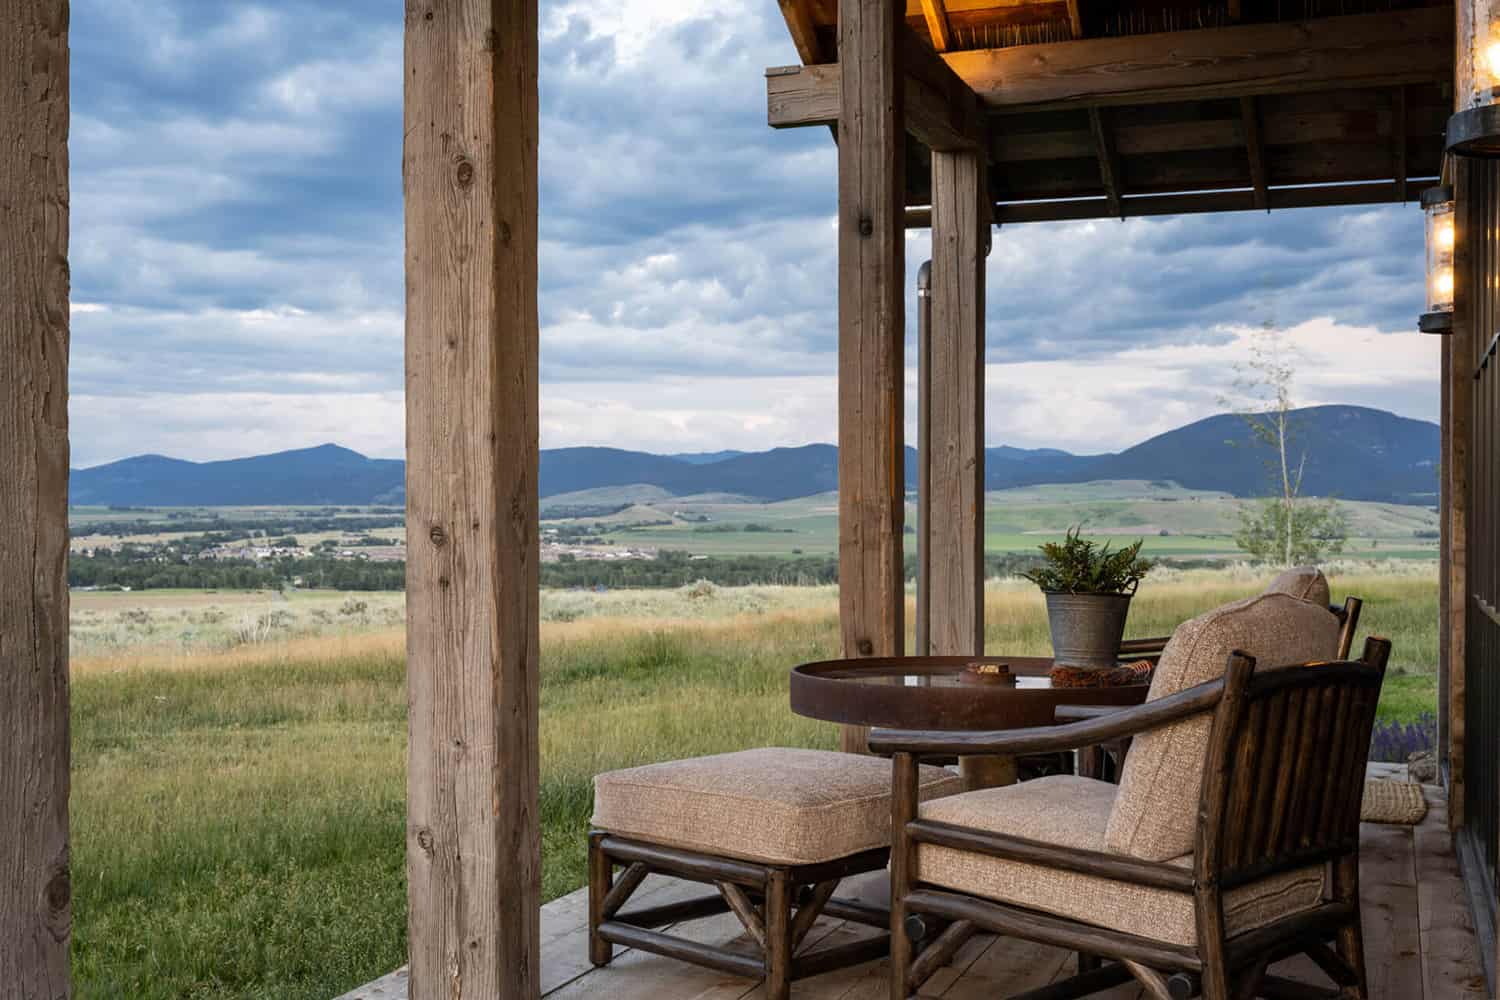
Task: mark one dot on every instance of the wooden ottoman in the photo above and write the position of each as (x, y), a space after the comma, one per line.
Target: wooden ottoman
(773, 830)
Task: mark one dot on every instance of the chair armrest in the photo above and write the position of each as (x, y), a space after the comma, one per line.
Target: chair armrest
(1081, 713)
(1042, 739)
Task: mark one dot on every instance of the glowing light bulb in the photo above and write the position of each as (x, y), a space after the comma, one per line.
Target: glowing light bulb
(1442, 283)
(1443, 235)
(1492, 57)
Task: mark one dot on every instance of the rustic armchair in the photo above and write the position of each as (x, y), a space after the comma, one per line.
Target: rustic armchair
(1232, 843)
(1305, 583)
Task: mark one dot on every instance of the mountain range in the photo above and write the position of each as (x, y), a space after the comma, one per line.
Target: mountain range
(1352, 452)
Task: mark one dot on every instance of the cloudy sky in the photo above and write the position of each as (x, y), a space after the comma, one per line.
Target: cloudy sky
(237, 251)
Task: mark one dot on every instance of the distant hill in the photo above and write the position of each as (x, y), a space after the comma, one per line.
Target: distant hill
(327, 474)
(1353, 452)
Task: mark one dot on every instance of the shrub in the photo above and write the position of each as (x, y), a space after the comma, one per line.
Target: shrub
(1079, 566)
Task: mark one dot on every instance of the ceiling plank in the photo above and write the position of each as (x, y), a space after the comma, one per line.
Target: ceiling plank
(1334, 53)
(799, 24)
(936, 14)
(1109, 161)
(1255, 147)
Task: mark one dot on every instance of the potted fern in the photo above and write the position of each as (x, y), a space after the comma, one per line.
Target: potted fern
(1088, 590)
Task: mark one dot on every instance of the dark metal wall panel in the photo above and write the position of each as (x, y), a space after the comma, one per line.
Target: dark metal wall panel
(1481, 220)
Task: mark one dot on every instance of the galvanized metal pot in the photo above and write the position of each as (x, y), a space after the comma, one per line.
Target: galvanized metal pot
(1087, 628)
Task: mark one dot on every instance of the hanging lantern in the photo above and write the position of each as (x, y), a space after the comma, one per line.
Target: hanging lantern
(1437, 203)
(1475, 129)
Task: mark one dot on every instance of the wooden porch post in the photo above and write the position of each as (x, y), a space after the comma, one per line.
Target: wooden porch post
(470, 171)
(35, 890)
(1458, 370)
(872, 321)
(960, 239)
(955, 539)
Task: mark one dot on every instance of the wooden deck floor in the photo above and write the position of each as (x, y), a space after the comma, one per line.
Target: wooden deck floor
(1418, 936)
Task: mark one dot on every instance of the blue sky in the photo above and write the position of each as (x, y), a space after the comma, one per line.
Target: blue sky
(237, 251)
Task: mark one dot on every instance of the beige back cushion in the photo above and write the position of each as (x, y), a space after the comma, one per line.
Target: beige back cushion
(1305, 582)
(1156, 809)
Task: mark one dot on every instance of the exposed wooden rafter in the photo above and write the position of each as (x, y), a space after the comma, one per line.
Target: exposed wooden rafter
(799, 24)
(1255, 148)
(1398, 141)
(936, 13)
(1109, 161)
(1363, 50)
(1075, 17)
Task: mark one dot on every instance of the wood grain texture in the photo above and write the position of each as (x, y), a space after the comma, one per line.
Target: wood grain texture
(35, 886)
(470, 175)
(955, 538)
(872, 334)
(1455, 469)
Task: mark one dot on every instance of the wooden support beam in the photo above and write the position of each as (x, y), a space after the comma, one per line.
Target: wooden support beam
(1398, 139)
(35, 884)
(872, 334)
(939, 108)
(1110, 174)
(799, 24)
(1454, 466)
(1255, 149)
(470, 178)
(936, 15)
(955, 538)
(1331, 53)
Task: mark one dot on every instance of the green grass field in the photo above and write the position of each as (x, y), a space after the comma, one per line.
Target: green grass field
(238, 817)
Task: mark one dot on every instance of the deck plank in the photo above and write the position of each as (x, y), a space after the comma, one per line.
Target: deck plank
(1451, 964)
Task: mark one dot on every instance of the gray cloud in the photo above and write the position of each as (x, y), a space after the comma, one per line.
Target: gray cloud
(237, 239)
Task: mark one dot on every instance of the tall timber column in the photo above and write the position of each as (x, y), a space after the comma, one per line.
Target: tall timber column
(872, 322)
(35, 887)
(955, 538)
(1454, 464)
(470, 172)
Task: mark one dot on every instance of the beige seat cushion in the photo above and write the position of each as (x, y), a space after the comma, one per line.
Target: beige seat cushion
(1304, 582)
(774, 805)
(1073, 812)
(1155, 814)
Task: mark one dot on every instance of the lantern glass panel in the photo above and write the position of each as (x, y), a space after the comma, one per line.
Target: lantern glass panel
(1485, 87)
(1440, 238)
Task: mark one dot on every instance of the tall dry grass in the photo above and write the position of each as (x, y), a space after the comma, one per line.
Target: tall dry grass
(239, 814)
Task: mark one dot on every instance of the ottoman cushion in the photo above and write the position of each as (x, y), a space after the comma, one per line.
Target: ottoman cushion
(773, 805)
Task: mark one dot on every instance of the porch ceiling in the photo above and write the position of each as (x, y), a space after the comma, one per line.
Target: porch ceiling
(1099, 108)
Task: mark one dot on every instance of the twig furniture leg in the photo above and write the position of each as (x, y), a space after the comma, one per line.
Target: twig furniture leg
(776, 904)
(601, 881)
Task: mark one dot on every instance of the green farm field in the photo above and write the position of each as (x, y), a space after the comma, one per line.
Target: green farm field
(1176, 523)
(238, 817)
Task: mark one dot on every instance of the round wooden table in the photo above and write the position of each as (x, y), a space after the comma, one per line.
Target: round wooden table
(937, 692)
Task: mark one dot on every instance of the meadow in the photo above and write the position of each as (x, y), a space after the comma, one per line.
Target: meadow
(238, 795)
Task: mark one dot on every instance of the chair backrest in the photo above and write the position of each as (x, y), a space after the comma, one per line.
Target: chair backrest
(1155, 811)
(1284, 774)
(1305, 582)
